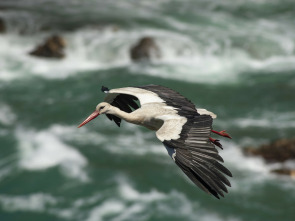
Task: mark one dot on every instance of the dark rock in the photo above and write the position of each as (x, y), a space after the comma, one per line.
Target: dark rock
(277, 151)
(2, 26)
(145, 49)
(284, 171)
(51, 48)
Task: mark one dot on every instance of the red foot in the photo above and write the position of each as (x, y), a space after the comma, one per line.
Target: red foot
(215, 142)
(222, 133)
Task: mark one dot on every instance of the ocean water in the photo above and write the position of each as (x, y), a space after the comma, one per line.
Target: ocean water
(235, 58)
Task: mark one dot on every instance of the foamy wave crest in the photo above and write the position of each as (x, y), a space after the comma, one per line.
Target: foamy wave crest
(267, 119)
(253, 164)
(98, 48)
(128, 140)
(136, 205)
(134, 142)
(44, 149)
(37, 202)
(7, 117)
(137, 143)
(87, 49)
(108, 208)
(249, 171)
(128, 193)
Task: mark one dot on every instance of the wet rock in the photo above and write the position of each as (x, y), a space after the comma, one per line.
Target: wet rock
(2, 26)
(277, 151)
(52, 48)
(284, 171)
(145, 49)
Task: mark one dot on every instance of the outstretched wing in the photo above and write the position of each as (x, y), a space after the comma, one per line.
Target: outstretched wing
(176, 100)
(124, 102)
(195, 154)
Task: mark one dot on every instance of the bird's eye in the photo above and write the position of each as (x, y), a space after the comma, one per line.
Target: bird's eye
(101, 108)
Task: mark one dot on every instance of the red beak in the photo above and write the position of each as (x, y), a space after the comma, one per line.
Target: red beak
(90, 118)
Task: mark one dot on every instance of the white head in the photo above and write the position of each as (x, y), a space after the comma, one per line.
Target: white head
(101, 108)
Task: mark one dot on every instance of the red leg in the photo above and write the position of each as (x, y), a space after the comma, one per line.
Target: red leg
(215, 142)
(222, 133)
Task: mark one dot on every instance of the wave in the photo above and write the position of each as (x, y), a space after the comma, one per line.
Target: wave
(37, 202)
(130, 141)
(134, 142)
(201, 48)
(55, 146)
(44, 149)
(130, 203)
(183, 56)
(121, 199)
(267, 119)
(250, 172)
(7, 117)
(127, 203)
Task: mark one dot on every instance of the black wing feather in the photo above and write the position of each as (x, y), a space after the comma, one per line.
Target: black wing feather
(173, 99)
(197, 156)
(125, 103)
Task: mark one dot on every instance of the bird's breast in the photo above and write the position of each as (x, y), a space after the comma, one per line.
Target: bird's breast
(152, 123)
(148, 115)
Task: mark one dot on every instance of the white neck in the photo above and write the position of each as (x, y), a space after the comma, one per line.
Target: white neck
(123, 115)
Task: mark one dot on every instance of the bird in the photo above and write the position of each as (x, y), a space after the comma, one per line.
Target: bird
(184, 130)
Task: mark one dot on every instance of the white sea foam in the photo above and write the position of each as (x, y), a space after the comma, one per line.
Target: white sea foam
(130, 212)
(172, 204)
(234, 156)
(128, 193)
(264, 120)
(128, 204)
(128, 140)
(36, 202)
(110, 207)
(44, 149)
(132, 204)
(135, 144)
(76, 208)
(209, 60)
(248, 171)
(79, 136)
(7, 117)
(138, 143)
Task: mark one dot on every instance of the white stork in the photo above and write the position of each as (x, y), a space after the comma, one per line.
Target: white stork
(182, 128)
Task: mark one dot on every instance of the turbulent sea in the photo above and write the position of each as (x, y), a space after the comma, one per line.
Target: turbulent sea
(235, 58)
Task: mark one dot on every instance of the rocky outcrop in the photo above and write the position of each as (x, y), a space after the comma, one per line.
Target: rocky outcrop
(284, 171)
(2, 26)
(53, 47)
(145, 49)
(277, 151)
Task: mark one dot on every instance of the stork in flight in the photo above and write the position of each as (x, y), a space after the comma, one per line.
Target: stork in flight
(184, 130)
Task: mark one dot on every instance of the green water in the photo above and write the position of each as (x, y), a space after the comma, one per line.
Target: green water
(234, 58)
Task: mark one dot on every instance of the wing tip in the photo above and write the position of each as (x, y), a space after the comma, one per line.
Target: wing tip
(104, 89)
